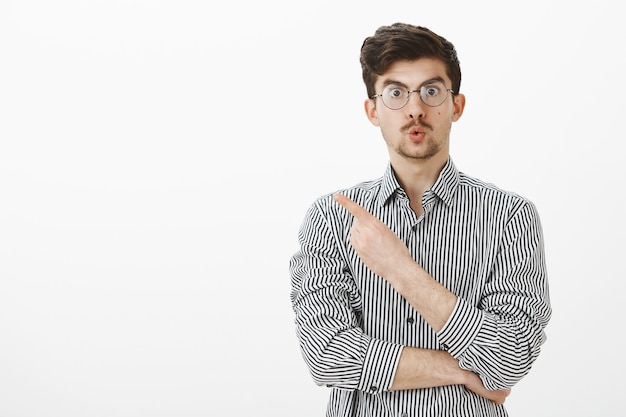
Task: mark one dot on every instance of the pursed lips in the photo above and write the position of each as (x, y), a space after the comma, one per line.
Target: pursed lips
(416, 133)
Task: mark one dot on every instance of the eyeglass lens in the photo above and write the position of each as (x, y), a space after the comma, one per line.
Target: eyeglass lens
(433, 94)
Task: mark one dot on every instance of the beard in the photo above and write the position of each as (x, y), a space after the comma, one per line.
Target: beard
(427, 148)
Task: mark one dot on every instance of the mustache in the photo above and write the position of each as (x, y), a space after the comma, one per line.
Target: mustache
(413, 124)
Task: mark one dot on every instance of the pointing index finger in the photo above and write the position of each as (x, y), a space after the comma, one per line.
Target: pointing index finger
(351, 206)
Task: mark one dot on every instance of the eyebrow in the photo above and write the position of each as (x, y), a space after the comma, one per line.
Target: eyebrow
(429, 81)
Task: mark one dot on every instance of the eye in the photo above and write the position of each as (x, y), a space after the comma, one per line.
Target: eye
(431, 90)
(394, 92)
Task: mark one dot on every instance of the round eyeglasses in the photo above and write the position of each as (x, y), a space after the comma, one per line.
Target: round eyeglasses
(395, 96)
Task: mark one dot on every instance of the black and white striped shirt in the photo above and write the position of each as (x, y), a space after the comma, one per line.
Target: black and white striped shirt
(482, 243)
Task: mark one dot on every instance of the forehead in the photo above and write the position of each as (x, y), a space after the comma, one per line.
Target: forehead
(414, 73)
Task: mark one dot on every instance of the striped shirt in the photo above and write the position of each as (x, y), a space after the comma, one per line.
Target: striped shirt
(482, 243)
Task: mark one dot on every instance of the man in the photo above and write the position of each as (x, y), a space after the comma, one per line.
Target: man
(423, 292)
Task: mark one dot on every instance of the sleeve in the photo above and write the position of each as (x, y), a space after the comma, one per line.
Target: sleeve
(326, 302)
(501, 338)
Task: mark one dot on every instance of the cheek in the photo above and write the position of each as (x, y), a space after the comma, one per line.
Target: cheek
(442, 113)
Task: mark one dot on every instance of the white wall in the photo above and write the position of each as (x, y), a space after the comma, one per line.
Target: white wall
(157, 157)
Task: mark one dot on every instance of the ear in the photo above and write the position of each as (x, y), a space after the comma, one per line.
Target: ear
(459, 105)
(370, 111)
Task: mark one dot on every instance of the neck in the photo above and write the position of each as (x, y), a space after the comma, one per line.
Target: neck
(416, 176)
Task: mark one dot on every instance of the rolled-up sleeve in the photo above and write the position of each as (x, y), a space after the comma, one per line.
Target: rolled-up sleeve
(500, 337)
(326, 302)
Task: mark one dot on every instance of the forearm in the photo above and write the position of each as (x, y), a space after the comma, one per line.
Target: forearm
(500, 347)
(434, 302)
(424, 368)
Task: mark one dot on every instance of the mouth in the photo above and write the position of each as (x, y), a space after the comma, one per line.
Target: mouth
(417, 133)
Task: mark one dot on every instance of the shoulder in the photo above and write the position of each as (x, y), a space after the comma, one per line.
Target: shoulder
(497, 199)
(328, 220)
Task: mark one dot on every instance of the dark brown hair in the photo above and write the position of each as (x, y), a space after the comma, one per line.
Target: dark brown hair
(405, 42)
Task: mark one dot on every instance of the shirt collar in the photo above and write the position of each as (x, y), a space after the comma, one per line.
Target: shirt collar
(444, 187)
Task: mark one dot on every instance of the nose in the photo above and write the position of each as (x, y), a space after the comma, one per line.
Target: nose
(415, 106)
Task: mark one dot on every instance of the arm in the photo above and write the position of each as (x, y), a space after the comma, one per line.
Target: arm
(326, 302)
(509, 312)
(507, 325)
(386, 255)
(424, 368)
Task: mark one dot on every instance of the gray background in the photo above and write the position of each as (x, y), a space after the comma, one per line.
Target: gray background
(157, 157)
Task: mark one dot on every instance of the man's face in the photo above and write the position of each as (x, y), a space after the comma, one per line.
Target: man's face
(416, 131)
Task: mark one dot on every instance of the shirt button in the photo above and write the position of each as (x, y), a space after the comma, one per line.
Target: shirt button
(373, 389)
(444, 346)
(410, 320)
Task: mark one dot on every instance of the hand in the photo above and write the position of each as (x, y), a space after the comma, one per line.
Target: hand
(377, 245)
(474, 384)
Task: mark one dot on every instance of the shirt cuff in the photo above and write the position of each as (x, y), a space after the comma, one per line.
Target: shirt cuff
(379, 367)
(461, 328)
